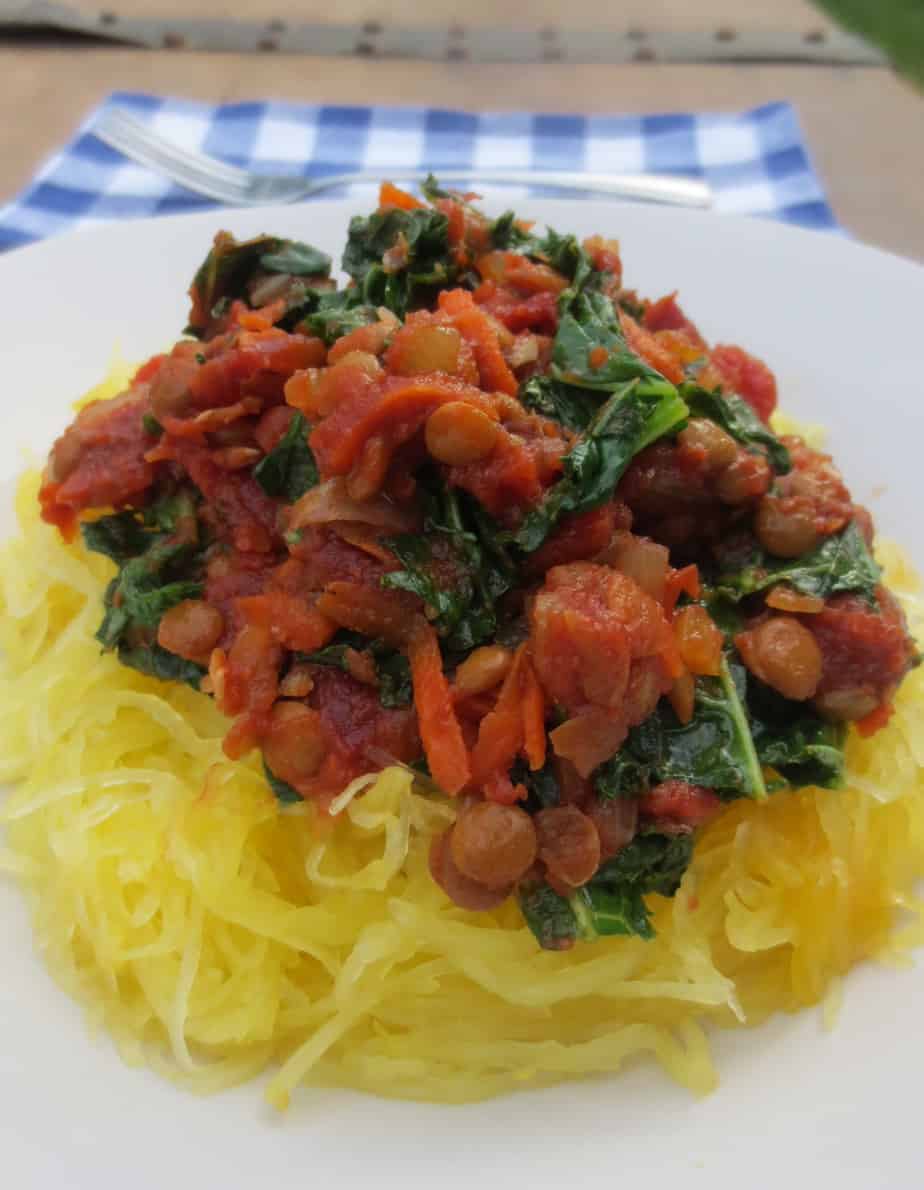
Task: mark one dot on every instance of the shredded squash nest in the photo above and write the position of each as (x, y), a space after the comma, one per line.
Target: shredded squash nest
(216, 934)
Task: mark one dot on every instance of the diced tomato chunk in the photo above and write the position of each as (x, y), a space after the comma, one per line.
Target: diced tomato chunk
(862, 647)
(600, 644)
(237, 508)
(666, 315)
(99, 461)
(361, 732)
(746, 375)
(578, 538)
(538, 312)
(506, 482)
(292, 621)
(439, 727)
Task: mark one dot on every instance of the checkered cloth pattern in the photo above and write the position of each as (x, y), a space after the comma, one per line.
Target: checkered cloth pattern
(756, 161)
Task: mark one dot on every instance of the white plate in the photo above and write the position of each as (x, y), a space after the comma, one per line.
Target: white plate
(841, 326)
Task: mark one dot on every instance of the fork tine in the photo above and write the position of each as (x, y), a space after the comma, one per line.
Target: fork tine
(137, 141)
(176, 170)
(182, 167)
(118, 120)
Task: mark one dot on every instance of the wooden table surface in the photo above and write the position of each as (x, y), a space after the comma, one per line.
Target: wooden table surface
(864, 126)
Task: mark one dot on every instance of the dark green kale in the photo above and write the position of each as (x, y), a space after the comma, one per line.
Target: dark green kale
(793, 739)
(296, 259)
(589, 322)
(542, 789)
(399, 259)
(549, 915)
(284, 793)
(334, 655)
(637, 413)
(653, 862)
(738, 419)
(613, 902)
(841, 563)
(151, 425)
(573, 407)
(620, 406)
(120, 536)
(623, 775)
(629, 304)
(329, 315)
(230, 268)
(507, 235)
(458, 566)
(138, 598)
(432, 190)
(395, 686)
(289, 470)
(714, 749)
(605, 910)
(566, 256)
(159, 558)
(156, 662)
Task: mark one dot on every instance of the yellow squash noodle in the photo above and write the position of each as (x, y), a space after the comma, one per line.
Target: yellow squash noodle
(216, 934)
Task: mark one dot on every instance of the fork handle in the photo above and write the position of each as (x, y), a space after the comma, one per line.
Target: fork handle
(678, 191)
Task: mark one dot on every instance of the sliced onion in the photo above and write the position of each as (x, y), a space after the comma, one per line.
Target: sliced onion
(330, 501)
(588, 740)
(525, 350)
(267, 290)
(640, 559)
(849, 704)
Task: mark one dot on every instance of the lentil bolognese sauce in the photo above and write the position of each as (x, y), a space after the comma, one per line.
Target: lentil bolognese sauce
(487, 514)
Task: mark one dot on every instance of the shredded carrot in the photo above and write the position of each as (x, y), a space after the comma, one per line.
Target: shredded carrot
(679, 582)
(475, 327)
(515, 726)
(456, 229)
(391, 195)
(264, 318)
(644, 343)
(533, 701)
(500, 733)
(440, 730)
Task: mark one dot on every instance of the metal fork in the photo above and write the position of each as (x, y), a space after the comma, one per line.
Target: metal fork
(239, 187)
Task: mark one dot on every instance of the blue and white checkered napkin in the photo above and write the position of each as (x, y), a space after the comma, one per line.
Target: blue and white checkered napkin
(756, 161)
